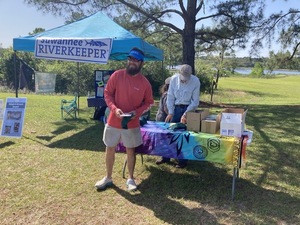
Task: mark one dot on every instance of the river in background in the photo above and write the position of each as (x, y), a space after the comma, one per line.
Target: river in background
(247, 71)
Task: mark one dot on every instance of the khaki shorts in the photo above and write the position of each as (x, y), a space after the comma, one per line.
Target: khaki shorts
(130, 138)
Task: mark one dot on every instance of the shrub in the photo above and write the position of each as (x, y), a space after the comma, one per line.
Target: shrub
(257, 71)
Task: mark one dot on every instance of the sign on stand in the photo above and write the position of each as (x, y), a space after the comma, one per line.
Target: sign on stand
(13, 117)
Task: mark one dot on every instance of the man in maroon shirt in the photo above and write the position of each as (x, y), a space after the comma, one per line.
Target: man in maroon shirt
(128, 94)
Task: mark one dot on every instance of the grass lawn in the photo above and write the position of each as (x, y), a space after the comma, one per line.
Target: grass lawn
(48, 175)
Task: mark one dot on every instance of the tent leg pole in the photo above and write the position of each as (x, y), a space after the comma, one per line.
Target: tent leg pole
(15, 68)
(78, 85)
(162, 68)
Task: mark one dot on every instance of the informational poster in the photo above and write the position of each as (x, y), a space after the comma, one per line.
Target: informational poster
(13, 118)
(45, 82)
(101, 78)
(1, 109)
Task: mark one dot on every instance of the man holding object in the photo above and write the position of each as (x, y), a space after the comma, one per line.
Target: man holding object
(127, 91)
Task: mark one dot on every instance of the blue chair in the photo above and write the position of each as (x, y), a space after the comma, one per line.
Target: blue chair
(69, 108)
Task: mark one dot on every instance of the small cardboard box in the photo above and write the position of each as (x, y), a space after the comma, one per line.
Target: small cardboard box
(233, 122)
(193, 119)
(211, 124)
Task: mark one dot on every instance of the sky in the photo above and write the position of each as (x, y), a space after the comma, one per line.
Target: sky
(17, 19)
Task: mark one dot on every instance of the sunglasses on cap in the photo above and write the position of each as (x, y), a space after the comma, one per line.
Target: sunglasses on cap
(132, 59)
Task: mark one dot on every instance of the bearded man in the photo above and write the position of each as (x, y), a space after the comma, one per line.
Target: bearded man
(128, 95)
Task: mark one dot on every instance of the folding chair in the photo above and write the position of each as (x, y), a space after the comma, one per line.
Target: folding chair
(69, 108)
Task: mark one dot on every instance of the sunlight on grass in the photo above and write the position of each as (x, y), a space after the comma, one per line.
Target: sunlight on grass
(243, 90)
(48, 175)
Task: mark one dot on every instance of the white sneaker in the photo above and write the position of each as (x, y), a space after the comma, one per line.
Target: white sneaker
(131, 186)
(104, 183)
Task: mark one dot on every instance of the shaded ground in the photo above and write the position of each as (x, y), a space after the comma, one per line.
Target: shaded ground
(213, 105)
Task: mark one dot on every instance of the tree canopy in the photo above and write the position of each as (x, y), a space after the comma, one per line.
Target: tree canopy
(204, 23)
(185, 30)
(281, 26)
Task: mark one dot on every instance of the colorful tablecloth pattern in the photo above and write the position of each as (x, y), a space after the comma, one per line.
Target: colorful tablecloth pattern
(160, 140)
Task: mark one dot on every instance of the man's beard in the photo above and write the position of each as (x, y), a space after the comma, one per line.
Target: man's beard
(132, 70)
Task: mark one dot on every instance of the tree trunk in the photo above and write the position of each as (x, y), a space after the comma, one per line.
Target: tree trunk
(220, 69)
(189, 48)
(188, 34)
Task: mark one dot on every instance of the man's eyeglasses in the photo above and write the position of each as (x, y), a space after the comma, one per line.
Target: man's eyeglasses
(132, 59)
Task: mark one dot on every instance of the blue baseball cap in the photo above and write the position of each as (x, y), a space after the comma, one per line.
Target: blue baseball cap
(136, 54)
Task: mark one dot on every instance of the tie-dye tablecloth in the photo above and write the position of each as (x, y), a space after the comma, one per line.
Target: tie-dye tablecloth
(160, 140)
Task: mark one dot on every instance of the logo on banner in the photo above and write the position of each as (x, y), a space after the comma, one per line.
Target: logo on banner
(79, 50)
(200, 152)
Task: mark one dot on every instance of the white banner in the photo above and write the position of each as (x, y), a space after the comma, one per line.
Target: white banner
(79, 50)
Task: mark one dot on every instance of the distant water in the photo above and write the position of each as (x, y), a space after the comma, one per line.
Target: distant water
(247, 71)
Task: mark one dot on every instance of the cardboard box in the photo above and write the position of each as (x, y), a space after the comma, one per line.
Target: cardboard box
(233, 122)
(211, 124)
(193, 119)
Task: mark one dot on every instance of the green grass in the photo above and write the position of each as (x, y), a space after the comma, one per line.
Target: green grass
(48, 175)
(282, 90)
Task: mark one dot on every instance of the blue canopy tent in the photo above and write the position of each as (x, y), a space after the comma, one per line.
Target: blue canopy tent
(95, 26)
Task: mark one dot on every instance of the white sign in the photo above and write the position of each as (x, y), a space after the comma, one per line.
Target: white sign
(13, 120)
(45, 82)
(75, 49)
